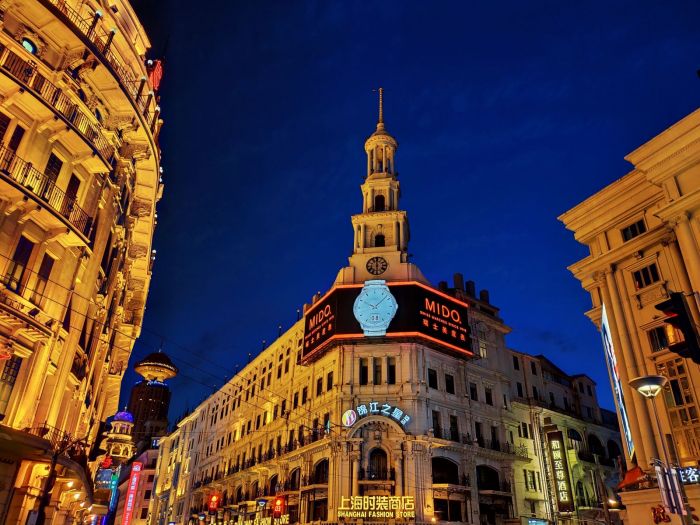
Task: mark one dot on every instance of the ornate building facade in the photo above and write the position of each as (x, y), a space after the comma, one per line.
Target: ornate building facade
(79, 181)
(643, 234)
(389, 400)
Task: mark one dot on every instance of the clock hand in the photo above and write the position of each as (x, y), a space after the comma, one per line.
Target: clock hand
(380, 302)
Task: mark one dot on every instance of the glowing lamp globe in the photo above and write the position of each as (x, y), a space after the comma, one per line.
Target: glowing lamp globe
(649, 386)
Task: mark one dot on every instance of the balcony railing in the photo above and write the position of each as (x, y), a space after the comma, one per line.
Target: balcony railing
(102, 41)
(43, 187)
(27, 74)
(377, 474)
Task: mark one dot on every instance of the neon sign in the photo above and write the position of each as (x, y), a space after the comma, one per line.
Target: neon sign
(616, 383)
(562, 483)
(136, 467)
(374, 408)
(368, 507)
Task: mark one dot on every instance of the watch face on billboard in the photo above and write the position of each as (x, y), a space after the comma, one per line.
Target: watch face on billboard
(416, 311)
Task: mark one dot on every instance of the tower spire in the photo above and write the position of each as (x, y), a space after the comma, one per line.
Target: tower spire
(381, 106)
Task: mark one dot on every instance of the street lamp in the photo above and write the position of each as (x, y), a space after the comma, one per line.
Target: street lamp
(649, 387)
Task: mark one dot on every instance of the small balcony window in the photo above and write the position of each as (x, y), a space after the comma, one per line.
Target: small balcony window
(633, 230)
(646, 276)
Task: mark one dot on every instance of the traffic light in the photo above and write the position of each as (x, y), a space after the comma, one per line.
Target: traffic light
(213, 503)
(278, 507)
(679, 316)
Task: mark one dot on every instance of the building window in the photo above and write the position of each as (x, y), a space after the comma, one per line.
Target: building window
(329, 381)
(304, 395)
(437, 431)
(516, 363)
(588, 389)
(520, 389)
(646, 276)
(147, 494)
(473, 392)
(661, 336)
(364, 372)
(144, 513)
(524, 431)
(535, 394)
(295, 403)
(8, 379)
(319, 386)
(432, 378)
(18, 264)
(589, 413)
(377, 371)
(681, 407)
(449, 384)
(552, 402)
(391, 371)
(379, 240)
(29, 46)
(454, 429)
(533, 367)
(42, 278)
(580, 387)
(16, 138)
(488, 394)
(633, 230)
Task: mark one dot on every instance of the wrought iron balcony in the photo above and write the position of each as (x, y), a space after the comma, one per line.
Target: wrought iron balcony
(41, 186)
(101, 42)
(26, 73)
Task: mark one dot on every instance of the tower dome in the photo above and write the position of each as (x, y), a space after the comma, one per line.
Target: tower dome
(123, 416)
(156, 367)
(381, 147)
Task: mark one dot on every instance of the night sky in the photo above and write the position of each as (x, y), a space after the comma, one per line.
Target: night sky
(507, 114)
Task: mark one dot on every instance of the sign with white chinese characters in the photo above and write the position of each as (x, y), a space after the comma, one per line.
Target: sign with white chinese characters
(374, 408)
(377, 507)
(611, 361)
(689, 475)
(560, 469)
(282, 520)
(136, 467)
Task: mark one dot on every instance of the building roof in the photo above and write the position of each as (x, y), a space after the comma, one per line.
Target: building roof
(123, 416)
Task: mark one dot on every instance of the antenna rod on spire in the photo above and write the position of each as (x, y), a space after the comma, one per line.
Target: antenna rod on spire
(381, 106)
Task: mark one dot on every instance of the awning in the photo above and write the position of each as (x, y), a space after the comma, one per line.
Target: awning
(632, 477)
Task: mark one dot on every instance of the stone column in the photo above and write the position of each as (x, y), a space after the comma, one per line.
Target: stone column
(638, 416)
(689, 249)
(362, 235)
(355, 458)
(36, 376)
(399, 473)
(402, 246)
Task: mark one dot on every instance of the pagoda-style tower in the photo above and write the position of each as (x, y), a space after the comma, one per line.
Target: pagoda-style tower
(381, 233)
(150, 398)
(119, 442)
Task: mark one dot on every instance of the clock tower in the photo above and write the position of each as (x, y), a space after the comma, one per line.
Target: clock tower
(381, 234)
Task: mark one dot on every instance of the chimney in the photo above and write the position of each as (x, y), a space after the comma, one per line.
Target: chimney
(471, 289)
(484, 296)
(442, 286)
(459, 281)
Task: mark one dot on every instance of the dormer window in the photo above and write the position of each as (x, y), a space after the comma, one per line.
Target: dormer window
(29, 46)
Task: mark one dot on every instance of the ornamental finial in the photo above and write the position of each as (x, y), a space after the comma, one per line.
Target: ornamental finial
(381, 106)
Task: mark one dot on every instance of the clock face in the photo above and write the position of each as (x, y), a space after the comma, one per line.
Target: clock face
(375, 307)
(377, 265)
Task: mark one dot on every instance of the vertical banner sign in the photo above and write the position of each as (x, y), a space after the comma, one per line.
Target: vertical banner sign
(136, 467)
(611, 360)
(560, 469)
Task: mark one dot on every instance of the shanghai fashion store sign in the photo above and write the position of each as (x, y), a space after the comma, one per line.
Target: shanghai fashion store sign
(374, 408)
(377, 507)
(560, 466)
(423, 313)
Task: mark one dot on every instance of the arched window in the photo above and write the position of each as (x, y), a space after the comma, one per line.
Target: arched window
(272, 484)
(321, 472)
(379, 203)
(379, 240)
(239, 495)
(613, 450)
(487, 478)
(294, 479)
(253, 491)
(445, 471)
(377, 464)
(98, 115)
(595, 446)
(29, 46)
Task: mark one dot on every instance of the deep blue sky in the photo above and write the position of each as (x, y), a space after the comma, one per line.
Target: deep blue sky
(507, 114)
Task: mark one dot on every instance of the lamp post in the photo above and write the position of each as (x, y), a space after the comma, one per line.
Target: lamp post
(650, 386)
